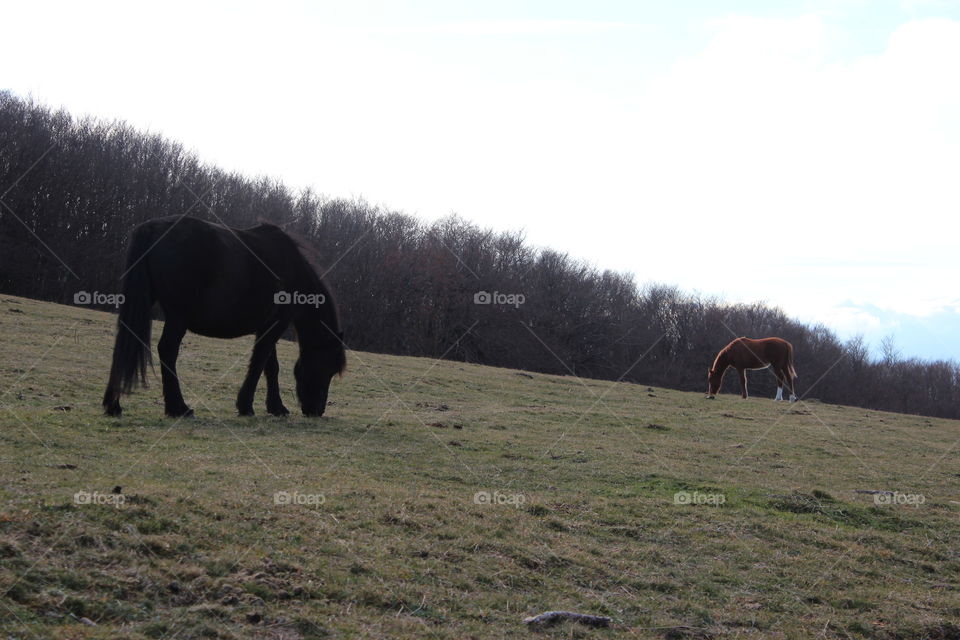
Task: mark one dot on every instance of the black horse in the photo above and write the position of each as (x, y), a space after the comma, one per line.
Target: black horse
(224, 283)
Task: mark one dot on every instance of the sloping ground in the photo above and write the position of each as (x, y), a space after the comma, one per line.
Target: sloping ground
(446, 500)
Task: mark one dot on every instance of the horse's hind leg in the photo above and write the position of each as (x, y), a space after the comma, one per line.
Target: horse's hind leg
(271, 372)
(265, 344)
(791, 385)
(169, 349)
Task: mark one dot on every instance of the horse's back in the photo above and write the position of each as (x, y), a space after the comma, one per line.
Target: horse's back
(204, 250)
(187, 256)
(757, 353)
(220, 281)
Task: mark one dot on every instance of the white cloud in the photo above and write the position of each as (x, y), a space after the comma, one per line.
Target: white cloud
(550, 27)
(932, 335)
(848, 320)
(762, 126)
(762, 151)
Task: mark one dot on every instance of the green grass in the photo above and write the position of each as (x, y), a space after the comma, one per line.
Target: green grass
(582, 475)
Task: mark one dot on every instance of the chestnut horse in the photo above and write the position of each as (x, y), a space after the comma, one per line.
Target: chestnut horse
(747, 353)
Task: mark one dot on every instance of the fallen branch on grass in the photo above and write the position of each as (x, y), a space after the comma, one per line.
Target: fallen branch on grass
(552, 617)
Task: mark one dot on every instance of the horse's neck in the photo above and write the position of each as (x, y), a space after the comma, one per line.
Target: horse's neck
(722, 361)
(318, 325)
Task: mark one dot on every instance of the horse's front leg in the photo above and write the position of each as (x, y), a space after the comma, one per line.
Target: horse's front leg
(271, 372)
(265, 344)
(743, 382)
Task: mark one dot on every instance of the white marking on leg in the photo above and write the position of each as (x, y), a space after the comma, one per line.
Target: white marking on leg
(779, 394)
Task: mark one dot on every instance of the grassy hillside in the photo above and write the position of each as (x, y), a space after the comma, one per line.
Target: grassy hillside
(382, 534)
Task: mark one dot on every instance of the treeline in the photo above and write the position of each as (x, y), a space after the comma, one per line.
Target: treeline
(71, 189)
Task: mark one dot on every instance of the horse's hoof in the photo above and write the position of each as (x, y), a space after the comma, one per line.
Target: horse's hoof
(280, 411)
(711, 397)
(245, 412)
(113, 412)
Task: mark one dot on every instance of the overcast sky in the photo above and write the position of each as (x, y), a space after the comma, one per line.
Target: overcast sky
(806, 154)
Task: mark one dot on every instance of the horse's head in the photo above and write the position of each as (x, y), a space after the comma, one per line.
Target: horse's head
(714, 380)
(313, 371)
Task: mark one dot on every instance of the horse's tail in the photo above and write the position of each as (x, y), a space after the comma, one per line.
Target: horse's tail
(792, 369)
(131, 349)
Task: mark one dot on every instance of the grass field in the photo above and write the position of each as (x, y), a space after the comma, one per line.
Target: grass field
(447, 500)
